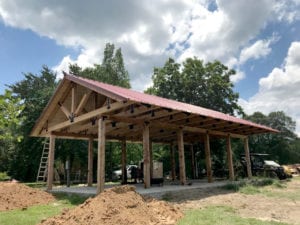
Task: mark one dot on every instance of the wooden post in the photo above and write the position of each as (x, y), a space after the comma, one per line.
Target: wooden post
(90, 162)
(151, 160)
(173, 169)
(229, 158)
(193, 161)
(101, 156)
(207, 158)
(182, 175)
(247, 156)
(146, 148)
(51, 163)
(124, 156)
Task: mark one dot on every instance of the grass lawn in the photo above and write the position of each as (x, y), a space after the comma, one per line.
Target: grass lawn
(33, 215)
(219, 215)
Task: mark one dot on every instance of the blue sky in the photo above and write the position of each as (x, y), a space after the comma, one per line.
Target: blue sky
(259, 39)
(24, 51)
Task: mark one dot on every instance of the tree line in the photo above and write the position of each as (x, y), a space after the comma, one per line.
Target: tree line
(195, 82)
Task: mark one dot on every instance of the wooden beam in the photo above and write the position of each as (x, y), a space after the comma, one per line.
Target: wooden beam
(123, 161)
(90, 163)
(67, 135)
(146, 149)
(50, 170)
(101, 156)
(171, 126)
(82, 102)
(182, 175)
(89, 115)
(82, 126)
(64, 110)
(247, 156)
(207, 158)
(96, 89)
(173, 166)
(193, 161)
(178, 118)
(73, 99)
(229, 158)
(137, 111)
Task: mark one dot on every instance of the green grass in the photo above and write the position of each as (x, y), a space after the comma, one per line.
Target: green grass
(254, 186)
(220, 215)
(36, 184)
(33, 215)
(294, 196)
(273, 189)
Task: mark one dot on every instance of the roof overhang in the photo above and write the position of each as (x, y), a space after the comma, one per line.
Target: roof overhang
(78, 103)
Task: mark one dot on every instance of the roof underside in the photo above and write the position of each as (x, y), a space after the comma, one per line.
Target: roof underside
(78, 103)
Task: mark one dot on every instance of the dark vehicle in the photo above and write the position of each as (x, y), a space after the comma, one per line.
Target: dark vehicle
(262, 166)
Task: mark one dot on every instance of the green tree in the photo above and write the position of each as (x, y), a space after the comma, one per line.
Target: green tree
(207, 85)
(281, 146)
(35, 92)
(10, 121)
(168, 81)
(111, 71)
(10, 110)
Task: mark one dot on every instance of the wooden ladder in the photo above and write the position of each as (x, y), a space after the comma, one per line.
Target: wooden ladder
(42, 172)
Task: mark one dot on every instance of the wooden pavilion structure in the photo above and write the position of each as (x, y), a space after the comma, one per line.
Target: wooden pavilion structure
(89, 110)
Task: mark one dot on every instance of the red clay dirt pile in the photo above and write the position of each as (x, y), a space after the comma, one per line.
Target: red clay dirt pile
(118, 206)
(19, 196)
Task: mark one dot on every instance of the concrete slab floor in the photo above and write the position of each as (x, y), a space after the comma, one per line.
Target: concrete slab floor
(155, 191)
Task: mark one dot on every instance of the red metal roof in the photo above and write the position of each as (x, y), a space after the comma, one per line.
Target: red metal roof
(123, 94)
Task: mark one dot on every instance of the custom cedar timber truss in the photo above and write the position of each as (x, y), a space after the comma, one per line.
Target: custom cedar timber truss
(86, 109)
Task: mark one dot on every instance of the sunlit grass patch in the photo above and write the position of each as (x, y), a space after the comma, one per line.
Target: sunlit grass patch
(34, 214)
(219, 215)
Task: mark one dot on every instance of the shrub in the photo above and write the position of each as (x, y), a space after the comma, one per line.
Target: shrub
(4, 176)
(234, 186)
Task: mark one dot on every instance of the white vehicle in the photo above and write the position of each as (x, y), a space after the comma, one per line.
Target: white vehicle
(117, 174)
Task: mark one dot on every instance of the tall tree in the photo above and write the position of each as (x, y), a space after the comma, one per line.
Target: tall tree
(207, 85)
(168, 81)
(35, 92)
(111, 71)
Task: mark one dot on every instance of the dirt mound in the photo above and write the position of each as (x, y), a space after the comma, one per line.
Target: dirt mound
(119, 205)
(19, 196)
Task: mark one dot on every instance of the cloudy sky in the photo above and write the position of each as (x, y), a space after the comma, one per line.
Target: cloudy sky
(260, 39)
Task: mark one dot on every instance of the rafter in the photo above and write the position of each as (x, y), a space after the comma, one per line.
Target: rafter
(73, 100)
(89, 115)
(82, 102)
(64, 110)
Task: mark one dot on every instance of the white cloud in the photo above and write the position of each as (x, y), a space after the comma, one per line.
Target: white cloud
(259, 49)
(279, 90)
(240, 75)
(145, 29)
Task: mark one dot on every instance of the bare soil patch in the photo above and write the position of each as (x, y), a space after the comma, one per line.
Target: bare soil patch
(257, 206)
(119, 205)
(19, 196)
